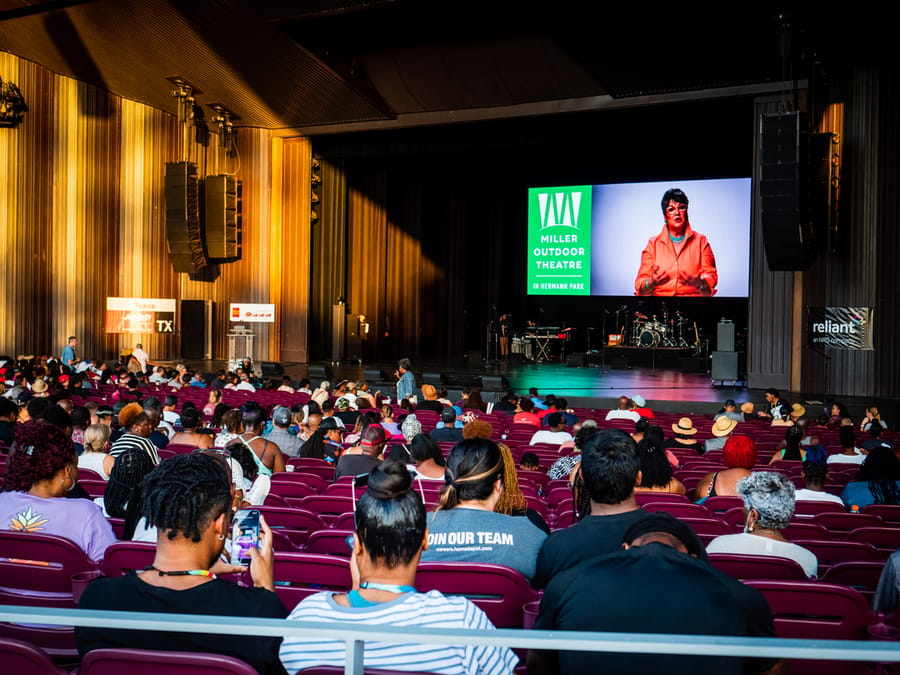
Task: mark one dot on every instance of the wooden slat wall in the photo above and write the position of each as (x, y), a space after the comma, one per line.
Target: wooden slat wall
(82, 217)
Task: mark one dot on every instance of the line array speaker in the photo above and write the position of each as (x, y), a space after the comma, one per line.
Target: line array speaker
(320, 372)
(494, 383)
(785, 192)
(223, 217)
(434, 378)
(184, 232)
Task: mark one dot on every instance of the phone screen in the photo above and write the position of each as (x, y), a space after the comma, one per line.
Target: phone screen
(244, 536)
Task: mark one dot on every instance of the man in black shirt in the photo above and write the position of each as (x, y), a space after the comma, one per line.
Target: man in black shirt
(449, 433)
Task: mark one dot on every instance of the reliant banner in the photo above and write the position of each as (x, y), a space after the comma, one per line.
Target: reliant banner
(839, 327)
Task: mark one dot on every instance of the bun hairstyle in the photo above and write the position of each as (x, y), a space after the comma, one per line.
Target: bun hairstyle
(473, 466)
(390, 516)
(252, 414)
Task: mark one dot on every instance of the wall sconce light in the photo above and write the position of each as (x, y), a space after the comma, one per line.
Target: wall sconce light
(12, 105)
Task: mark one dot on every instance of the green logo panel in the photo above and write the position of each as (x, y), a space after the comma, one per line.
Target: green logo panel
(559, 240)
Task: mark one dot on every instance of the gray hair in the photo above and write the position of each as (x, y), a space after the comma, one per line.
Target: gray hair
(771, 494)
(410, 427)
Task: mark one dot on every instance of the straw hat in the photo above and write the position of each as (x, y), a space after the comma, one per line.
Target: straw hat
(747, 408)
(685, 426)
(723, 426)
(39, 386)
(797, 411)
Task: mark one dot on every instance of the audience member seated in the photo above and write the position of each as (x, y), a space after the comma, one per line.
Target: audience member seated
(122, 498)
(387, 545)
(839, 413)
(657, 550)
(264, 452)
(231, 427)
(364, 457)
(684, 432)
(623, 411)
(887, 593)
(871, 415)
(387, 421)
(215, 398)
(739, 457)
(137, 426)
(564, 466)
(474, 402)
(41, 470)
(190, 421)
(95, 456)
(875, 432)
(555, 434)
(325, 442)
(878, 481)
(791, 451)
(656, 470)
(604, 497)
(465, 526)
(188, 499)
(768, 504)
(508, 405)
(279, 434)
(729, 410)
(530, 462)
(815, 473)
(426, 455)
(849, 453)
(9, 411)
(723, 426)
(448, 432)
(526, 414)
(253, 485)
(561, 406)
(430, 402)
(512, 500)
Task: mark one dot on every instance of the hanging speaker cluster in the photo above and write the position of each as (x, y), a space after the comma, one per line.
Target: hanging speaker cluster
(203, 218)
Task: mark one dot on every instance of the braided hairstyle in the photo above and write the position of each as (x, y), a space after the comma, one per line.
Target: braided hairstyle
(185, 493)
(655, 468)
(511, 499)
(122, 498)
(41, 449)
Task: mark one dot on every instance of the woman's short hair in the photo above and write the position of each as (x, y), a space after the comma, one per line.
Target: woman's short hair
(771, 494)
(473, 466)
(128, 414)
(739, 452)
(390, 516)
(96, 437)
(190, 418)
(41, 450)
(477, 429)
(424, 447)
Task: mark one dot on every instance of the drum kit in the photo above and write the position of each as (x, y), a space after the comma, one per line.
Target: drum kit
(652, 333)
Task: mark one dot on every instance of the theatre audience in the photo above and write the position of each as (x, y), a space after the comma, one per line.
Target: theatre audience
(768, 506)
(639, 596)
(792, 450)
(555, 434)
(738, 458)
(656, 470)
(363, 457)
(849, 453)
(123, 497)
(95, 456)
(815, 472)
(604, 495)
(388, 542)
(878, 480)
(188, 499)
(190, 422)
(265, 453)
(137, 428)
(41, 470)
(683, 436)
(427, 458)
(466, 528)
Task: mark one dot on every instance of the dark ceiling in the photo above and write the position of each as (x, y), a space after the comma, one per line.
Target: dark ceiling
(331, 66)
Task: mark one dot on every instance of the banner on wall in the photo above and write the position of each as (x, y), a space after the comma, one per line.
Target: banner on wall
(245, 312)
(839, 327)
(140, 315)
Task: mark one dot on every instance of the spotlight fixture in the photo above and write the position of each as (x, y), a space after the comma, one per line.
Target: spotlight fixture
(224, 121)
(12, 105)
(184, 93)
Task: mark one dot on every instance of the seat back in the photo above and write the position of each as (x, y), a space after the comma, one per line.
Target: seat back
(844, 522)
(148, 662)
(861, 575)
(125, 557)
(499, 591)
(300, 574)
(296, 524)
(23, 658)
(743, 566)
(328, 507)
(884, 538)
(31, 562)
(329, 541)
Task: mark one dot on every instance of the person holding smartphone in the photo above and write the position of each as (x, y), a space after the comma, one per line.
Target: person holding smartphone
(188, 499)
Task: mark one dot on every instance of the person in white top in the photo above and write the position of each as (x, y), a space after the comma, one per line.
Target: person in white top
(95, 456)
(623, 412)
(850, 453)
(815, 471)
(556, 433)
(769, 499)
(142, 357)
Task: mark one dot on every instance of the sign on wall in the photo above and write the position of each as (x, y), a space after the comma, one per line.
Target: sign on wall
(245, 312)
(839, 327)
(140, 315)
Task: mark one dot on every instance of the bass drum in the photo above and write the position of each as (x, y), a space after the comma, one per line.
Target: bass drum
(649, 338)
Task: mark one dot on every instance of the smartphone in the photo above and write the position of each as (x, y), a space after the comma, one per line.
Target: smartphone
(244, 536)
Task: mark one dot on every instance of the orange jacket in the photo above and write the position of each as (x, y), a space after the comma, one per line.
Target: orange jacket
(696, 259)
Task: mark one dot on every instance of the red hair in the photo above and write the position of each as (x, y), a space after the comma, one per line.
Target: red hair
(739, 451)
(41, 450)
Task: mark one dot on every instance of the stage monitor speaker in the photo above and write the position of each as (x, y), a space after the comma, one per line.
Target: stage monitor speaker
(784, 192)
(724, 366)
(196, 329)
(474, 358)
(320, 372)
(184, 231)
(434, 378)
(375, 375)
(223, 217)
(576, 360)
(725, 336)
(271, 369)
(494, 383)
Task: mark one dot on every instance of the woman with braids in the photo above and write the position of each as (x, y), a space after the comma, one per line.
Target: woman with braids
(264, 452)
(878, 480)
(41, 470)
(188, 499)
(466, 528)
(656, 470)
(122, 498)
(387, 544)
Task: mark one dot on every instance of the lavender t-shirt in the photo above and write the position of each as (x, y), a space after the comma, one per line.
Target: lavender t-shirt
(79, 520)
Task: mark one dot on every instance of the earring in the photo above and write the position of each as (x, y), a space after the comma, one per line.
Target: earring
(220, 537)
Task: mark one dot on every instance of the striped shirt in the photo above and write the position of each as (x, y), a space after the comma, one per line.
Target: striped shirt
(425, 610)
(127, 441)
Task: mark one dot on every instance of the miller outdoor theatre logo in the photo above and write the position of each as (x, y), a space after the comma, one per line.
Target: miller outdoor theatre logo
(559, 209)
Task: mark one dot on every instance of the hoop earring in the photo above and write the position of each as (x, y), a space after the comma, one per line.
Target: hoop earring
(220, 537)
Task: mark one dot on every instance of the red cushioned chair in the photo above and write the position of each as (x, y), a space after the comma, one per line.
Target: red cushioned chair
(316, 482)
(23, 658)
(831, 552)
(328, 507)
(148, 662)
(125, 557)
(885, 538)
(298, 575)
(862, 575)
(844, 522)
(890, 513)
(330, 541)
(743, 566)
(806, 509)
(291, 524)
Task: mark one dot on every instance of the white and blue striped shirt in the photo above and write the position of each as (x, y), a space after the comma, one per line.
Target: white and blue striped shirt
(425, 610)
